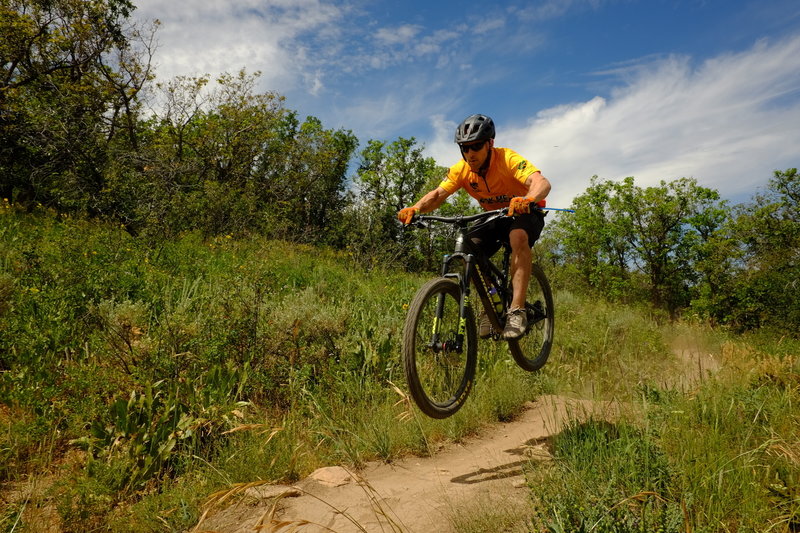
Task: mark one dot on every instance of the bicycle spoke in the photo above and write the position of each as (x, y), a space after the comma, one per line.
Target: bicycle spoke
(532, 350)
(439, 365)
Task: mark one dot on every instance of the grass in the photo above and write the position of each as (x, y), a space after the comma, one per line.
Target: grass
(140, 380)
(189, 367)
(722, 456)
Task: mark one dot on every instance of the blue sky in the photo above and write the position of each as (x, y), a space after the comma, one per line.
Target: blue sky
(655, 89)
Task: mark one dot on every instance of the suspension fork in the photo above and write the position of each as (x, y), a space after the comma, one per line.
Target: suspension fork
(463, 305)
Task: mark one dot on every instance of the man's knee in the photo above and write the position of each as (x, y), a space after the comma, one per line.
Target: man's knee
(519, 239)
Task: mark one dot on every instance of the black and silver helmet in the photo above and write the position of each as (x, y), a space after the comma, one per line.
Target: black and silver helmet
(475, 128)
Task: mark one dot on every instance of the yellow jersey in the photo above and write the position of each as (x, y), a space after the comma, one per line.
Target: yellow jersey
(503, 180)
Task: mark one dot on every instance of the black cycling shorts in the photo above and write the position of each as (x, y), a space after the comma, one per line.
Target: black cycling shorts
(489, 237)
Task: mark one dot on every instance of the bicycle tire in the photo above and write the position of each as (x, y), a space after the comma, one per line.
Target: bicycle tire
(439, 378)
(532, 350)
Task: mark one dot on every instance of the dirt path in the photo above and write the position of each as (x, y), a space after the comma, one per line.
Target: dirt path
(421, 495)
(414, 494)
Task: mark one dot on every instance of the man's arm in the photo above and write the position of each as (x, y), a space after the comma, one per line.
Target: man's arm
(538, 186)
(429, 202)
(432, 200)
(538, 189)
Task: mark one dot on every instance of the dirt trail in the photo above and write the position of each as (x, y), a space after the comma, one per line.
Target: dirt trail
(420, 495)
(414, 494)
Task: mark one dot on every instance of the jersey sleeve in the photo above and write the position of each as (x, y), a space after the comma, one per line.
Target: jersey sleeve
(451, 183)
(521, 167)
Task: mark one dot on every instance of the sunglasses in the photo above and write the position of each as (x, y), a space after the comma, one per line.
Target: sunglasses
(465, 148)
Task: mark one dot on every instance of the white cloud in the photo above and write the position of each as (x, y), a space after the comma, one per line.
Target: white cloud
(401, 35)
(442, 147)
(488, 25)
(551, 9)
(728, 122)
(206, 36)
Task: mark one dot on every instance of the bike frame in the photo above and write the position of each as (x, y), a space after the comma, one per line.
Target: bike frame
(484, 277)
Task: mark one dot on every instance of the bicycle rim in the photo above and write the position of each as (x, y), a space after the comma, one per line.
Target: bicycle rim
(532, 350)
(439, 373)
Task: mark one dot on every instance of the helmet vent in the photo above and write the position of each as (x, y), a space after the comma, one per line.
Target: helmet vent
(475, 128)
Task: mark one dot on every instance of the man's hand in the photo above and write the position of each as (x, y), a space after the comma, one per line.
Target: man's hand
(520, 205)
(406, 214)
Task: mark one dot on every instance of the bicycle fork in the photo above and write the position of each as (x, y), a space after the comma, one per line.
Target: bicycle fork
(455, 344)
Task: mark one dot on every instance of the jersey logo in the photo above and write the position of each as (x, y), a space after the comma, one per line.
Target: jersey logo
(501, 199)
(522, 165)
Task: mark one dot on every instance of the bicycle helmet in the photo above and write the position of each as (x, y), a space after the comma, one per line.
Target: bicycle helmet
(475, 128)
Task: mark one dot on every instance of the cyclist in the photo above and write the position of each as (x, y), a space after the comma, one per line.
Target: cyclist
(496, 178)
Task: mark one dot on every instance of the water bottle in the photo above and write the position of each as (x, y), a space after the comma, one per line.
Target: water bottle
(498, 305)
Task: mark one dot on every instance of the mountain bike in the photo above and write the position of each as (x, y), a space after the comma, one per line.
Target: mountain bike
(440, 341)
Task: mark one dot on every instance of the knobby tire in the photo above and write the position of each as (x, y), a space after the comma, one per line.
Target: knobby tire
(439, 377)
(532, 350)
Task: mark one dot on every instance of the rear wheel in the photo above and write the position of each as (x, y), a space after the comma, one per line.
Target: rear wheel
(532, 350)
(439, 351)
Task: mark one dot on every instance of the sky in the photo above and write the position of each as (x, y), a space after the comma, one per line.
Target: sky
(654, 89)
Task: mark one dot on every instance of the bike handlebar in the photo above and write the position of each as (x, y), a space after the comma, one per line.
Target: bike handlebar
(461, 219)
(486, 215)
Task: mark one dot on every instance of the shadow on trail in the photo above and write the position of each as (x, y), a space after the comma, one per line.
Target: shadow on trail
(507, 470)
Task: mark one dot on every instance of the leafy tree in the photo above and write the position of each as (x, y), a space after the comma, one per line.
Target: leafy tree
(307, 172)
(624, 239)
(391, 176)
(763, 290)
(68, 74)
(664, 222)
(594, 240)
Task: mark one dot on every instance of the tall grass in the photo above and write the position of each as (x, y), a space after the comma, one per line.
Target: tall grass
(722, 457)
(604, 349)
(136, 380)
(142, 377)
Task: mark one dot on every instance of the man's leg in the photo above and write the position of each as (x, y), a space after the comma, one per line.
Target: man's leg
(521, 259)
(524, 232)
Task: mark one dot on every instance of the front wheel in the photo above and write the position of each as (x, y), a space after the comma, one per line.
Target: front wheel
(440, 351)
(532, 350)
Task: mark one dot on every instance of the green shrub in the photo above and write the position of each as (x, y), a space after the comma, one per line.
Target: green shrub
(609, 477)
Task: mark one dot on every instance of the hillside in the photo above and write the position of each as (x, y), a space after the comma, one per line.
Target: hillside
(139, 380)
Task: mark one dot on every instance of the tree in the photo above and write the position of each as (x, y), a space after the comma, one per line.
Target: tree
(594, 240)
(764, 287)
(664, 233)
(307, 185)
(624, 239)
(390, 177)
(67, 70)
